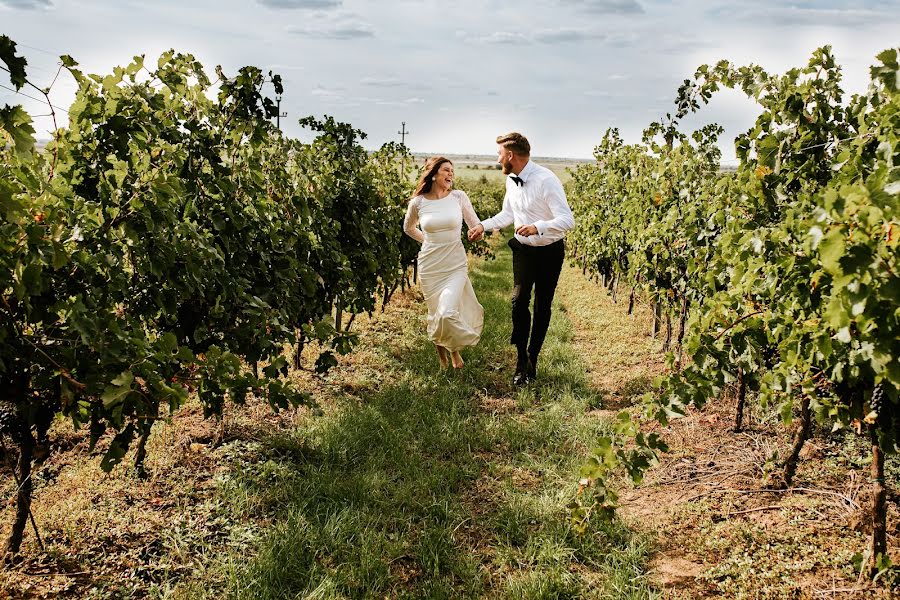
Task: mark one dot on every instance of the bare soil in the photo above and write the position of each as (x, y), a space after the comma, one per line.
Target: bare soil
(722, 530)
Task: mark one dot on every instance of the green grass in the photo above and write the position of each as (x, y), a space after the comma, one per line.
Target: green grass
(476, 171)
(423, 488)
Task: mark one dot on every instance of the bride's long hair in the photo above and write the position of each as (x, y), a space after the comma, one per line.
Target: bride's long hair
(429, 171)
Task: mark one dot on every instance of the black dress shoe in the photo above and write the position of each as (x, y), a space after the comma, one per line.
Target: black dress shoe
(521, 376)
(531, 371)
(525, 374)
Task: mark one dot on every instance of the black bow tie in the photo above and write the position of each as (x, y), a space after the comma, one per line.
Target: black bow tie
(519, 181)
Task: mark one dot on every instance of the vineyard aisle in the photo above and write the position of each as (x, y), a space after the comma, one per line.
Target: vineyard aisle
(417, 484)
(422, 484)
(715, 527)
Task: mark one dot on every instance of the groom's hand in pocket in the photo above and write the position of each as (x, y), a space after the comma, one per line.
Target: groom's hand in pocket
(476, 233)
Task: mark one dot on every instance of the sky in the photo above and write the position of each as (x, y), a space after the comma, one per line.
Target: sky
(461, 73)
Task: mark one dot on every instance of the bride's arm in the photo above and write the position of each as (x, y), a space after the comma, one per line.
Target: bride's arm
(411, 221)
(468, 211)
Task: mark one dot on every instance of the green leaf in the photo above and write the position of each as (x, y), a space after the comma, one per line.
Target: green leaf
(31, 279)
(60, 257)
(786, 410)
(168, 343)
(15, 121)
(843, 335)
(117, 449)
(184, 354)
(15, 64)
(276, 367)
(325, 362)
(123, 378)
(831, 249)
(119, 389)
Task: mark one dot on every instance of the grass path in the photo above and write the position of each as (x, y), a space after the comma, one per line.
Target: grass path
(420, 484)
(410, 483)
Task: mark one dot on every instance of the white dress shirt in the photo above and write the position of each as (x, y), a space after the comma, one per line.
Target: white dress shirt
(539, 201)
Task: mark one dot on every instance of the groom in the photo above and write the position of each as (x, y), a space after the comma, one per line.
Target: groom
(536, 203)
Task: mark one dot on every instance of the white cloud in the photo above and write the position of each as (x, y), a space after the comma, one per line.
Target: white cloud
(300, 4)
(387, 82)
(327, 93)
(629, 39)
(503, 37)
(279, 68)
(26, 4)
(620, 7)
(406, 102)
(566, 34)
(334, 27)
(781, 15)
(560, 35)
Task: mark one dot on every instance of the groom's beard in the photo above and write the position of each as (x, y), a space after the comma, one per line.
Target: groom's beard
(507, 168)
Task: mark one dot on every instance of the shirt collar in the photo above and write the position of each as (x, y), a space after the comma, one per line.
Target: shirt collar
(523, 175)
(526, 171)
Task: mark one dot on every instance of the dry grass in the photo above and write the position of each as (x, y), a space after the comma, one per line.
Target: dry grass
(620, 356)
(227, 500)
(112, 535)
(718, 532)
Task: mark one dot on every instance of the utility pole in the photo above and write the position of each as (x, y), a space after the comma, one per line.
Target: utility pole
(278, 113)
(403, 133)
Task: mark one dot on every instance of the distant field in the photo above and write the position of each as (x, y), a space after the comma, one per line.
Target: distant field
(476, 166)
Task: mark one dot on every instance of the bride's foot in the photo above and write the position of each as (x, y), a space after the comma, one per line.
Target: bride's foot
(457, 360)
(442, 356)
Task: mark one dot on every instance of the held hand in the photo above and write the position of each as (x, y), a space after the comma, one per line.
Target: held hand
(527, 230)
(476, 233)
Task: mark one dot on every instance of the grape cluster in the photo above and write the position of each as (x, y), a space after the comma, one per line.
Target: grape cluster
(9, 418)
(877, 402)
(38, 413)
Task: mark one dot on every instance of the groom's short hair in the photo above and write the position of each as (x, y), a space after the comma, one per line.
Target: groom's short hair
(516, 143)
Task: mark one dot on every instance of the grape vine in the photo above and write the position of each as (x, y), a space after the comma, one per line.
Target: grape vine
(168, 241)
(784, 273)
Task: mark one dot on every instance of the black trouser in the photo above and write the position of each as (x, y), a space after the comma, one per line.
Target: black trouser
(535, 267)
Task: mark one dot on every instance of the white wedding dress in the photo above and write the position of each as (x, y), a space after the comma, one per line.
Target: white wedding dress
(455, 318)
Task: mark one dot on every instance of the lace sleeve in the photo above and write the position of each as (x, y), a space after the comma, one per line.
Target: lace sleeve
(468, 210)
(411, 222)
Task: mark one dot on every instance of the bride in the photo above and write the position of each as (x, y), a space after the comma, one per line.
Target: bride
(434, 218)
